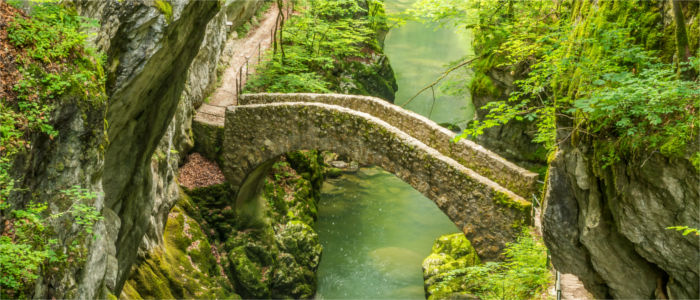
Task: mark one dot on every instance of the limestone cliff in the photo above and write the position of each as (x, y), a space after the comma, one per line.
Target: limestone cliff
(156, 84)
(161, 58)
(604, 224)
(149, 51)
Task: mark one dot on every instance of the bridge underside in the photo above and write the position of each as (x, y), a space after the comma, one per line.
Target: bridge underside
(488, 214)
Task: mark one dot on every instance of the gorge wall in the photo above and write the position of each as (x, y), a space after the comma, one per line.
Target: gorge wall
(160, 60)
(607, 224)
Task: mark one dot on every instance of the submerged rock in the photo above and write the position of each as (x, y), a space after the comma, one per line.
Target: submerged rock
(392, 261)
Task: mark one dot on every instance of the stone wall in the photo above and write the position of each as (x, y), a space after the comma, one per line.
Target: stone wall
(488, 214)
(471, 155)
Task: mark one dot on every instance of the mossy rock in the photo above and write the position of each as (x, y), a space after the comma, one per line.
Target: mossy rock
(251, 277)
(212, 206)
(450, 254)
(184, 268)
(301, 241)
(333, 173)
(300, 254)
(457, 246)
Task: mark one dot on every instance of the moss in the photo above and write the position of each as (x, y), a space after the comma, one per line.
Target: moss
(508, 201)
(695, 160)
(129, 293)
(482, 84)
(184, 268)
(212, 206)
(250, 276)
(165, 8)
(457, 246)
(333, 172)
(450, 255)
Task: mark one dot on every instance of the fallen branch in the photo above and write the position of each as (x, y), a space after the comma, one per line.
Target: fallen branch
(462, 64)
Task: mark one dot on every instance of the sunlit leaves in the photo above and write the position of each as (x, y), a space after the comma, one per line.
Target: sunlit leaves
(317, 42)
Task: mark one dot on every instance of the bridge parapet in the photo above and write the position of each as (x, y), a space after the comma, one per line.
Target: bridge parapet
(488, 214)
(466, 152)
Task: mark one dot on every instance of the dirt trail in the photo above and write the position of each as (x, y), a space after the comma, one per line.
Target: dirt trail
(247, 49)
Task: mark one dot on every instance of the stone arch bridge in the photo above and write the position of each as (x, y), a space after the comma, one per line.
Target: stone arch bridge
(482, 193)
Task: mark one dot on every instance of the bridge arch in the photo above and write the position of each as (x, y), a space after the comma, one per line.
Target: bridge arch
(255, 134)
(466, 152)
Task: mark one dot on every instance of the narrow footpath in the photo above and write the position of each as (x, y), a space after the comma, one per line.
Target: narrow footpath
(248, 51)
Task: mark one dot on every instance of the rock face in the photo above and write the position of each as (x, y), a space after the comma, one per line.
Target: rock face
(375, 77)
(184, 267)
(152, 86)
(74, 158)
(608, 225)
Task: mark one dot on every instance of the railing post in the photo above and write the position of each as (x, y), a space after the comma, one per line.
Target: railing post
(240, 79)
(558, 285)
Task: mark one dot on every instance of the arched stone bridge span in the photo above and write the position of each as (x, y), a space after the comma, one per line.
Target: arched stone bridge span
(255, 134)
(466, 152)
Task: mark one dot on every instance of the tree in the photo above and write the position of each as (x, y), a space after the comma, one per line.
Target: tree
(681, 37)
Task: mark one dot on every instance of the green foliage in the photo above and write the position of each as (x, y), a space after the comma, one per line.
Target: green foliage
(55, 66)
(686, 230)
(84, 214)
(523, 275)
(649, 111)
(56, 61)
(598, 66)
(316, 43)
(29, 249)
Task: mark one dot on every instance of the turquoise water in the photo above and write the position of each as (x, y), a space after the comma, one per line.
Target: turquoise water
(375, 230)
(419, 54)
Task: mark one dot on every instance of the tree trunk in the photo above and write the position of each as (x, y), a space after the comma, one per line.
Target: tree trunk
(681, 37)
(280, 6)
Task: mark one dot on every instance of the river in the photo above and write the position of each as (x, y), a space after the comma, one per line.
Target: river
(419, 53)
(376, 229)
